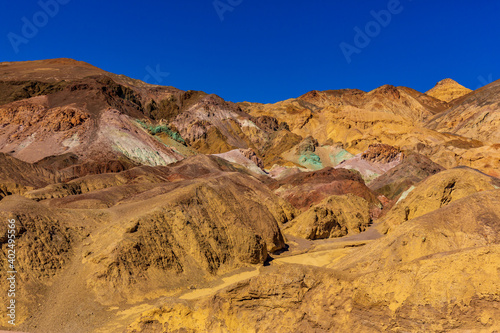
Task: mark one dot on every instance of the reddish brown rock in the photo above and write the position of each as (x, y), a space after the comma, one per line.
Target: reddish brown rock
(381, 153)
(413, 169)
(252, 156)
(307, 188)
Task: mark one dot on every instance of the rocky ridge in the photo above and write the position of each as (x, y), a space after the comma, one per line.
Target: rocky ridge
(143, 208)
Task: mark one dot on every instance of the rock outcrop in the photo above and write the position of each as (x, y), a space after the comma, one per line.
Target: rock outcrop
(437, 191)
(335, 216)
(474, 116)
(413, 169)
(304, 189)
(448, 90)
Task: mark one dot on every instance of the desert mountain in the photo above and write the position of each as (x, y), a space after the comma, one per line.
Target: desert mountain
(439, 273)
(448, 90)
(349, 121)
(138, 233)
(145, 208)
(88, 108)
(474, 116)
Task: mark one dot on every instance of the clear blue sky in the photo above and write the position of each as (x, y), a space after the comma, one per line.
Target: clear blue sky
(265, 50)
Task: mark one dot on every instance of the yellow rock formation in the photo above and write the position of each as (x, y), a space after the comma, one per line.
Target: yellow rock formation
(447, 90)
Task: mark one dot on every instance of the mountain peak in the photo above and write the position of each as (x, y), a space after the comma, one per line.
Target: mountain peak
(448, 90)
(448, 81)
(49, 70)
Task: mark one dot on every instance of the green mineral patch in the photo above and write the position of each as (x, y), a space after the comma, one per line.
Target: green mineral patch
(340, 156)
(311, 161)
(162, 128)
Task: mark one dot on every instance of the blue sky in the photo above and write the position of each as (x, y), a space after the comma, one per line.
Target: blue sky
(264, 51)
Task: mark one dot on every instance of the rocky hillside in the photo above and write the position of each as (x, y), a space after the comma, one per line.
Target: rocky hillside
(349, 121)
(448, 90)
(145, 208)
(474, 116)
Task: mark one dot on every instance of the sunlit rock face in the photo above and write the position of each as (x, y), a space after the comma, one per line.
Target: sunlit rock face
(143, 208)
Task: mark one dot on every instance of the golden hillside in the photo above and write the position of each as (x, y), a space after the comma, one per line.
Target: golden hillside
(448, 90)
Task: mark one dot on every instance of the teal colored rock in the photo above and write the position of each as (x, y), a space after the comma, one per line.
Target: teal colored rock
(153, 130)
(311, 161)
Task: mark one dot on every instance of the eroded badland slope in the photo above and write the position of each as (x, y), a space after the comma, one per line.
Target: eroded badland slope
(145, 208)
